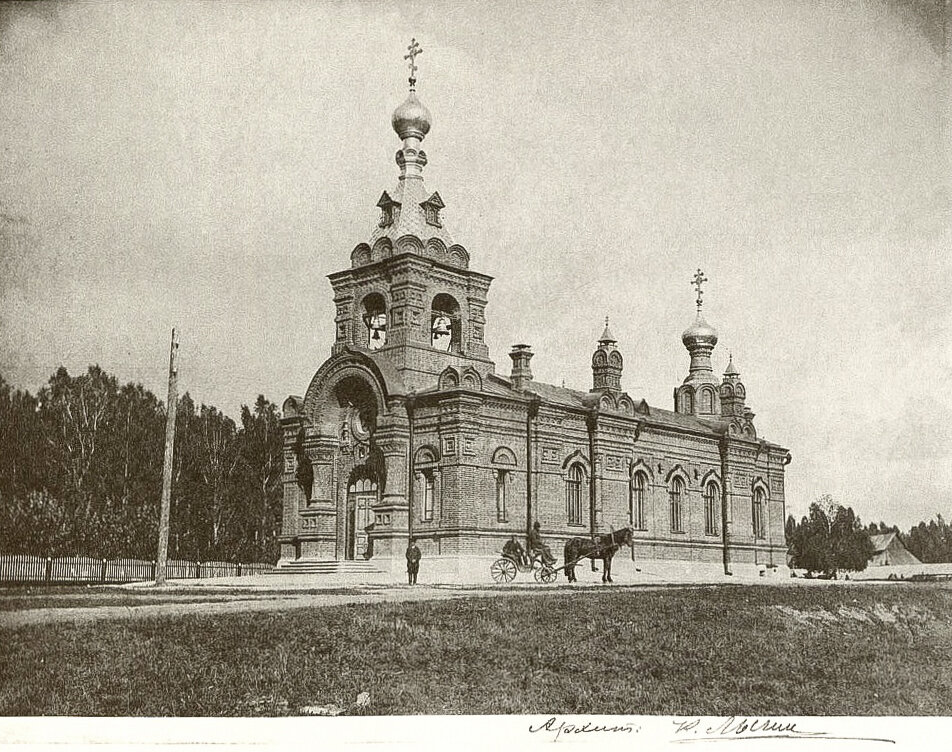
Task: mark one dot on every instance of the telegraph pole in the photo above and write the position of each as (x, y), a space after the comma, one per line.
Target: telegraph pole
(162, 556)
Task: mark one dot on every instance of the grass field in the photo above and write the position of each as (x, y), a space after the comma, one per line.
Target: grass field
(837, 650)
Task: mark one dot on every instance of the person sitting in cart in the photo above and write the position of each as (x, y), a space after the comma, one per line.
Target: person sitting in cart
(537, 546)
(514, 550)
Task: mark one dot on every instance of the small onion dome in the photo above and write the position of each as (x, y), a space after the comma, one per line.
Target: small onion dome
(700, 332)
(411, 119)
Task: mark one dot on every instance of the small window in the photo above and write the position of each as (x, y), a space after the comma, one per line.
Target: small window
(707, 401)
(428, 496)
(758, 514)
(676, 495)
(710, 508)
(502, 482)
(639, 485)
(573, 491)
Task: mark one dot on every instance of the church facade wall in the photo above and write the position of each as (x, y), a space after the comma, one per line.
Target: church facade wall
(406, 428)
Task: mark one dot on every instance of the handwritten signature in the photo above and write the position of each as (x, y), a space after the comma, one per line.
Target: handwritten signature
(561, 728)
(730, 728)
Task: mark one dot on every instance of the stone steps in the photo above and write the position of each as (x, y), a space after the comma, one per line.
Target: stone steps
(317, 566)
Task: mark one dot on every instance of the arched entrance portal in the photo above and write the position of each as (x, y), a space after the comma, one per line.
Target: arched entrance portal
(361, 499)
(357, 423)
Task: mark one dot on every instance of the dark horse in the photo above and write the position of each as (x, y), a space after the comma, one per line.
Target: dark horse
(602, 547)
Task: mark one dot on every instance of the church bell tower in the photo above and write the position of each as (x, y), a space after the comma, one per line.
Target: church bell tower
(409, 294)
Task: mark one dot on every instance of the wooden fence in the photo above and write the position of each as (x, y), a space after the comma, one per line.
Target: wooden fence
(24, 568)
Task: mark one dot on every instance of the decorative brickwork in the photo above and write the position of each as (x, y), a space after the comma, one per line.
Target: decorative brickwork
(407, 427)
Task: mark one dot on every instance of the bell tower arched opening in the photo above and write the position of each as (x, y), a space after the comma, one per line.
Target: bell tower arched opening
(445, 328)
(374, 317)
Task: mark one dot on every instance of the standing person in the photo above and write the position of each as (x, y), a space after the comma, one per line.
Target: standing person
(413, 561)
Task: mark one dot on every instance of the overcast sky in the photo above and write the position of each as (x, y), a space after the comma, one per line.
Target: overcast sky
(207, 165)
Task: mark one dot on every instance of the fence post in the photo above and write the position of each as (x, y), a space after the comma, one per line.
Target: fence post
(102, 572)
(153, 572)
(198, 570)
(49, 568)
(239, 569)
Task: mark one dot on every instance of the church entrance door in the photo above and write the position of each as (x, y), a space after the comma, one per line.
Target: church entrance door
(361, 496)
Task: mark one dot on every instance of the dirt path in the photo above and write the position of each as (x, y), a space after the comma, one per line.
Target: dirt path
(250, 601)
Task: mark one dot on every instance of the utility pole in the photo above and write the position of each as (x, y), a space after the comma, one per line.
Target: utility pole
(591, 422)
(410, 406)
(162, 556)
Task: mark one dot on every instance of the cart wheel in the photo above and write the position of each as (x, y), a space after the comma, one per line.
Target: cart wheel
(545, 574)
(503, 570)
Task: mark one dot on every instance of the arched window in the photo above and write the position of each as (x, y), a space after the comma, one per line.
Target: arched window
(687, 402)
(639, 487)
(710, 508)
(427, 495)
(502, 481)
(573, 494)
(759, 513)
(676, 494)
(707, 401)
(375, 321)
(445, 324)
(426, 481)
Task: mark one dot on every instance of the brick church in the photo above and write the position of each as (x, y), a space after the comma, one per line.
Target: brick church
(407, 428)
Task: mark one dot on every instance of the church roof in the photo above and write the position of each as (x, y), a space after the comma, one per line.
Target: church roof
(560, 395)
(409, 216)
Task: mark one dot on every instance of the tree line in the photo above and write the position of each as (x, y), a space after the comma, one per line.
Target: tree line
(81, 473)
(831, 538)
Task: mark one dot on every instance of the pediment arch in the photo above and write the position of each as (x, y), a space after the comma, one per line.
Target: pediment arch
(449, 378)
(472, 379)
(456, 255)
(410, 244)
(504, 456)
(711, 475)
(678, 472)
(426, 455)
(640, 466)
(360, 255)
(383, 249)
(576, 457)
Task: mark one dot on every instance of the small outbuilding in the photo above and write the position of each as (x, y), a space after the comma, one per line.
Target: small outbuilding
(889, 551)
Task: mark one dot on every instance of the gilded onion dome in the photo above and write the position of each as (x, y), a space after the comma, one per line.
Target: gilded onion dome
(411, 119)
(699, 333)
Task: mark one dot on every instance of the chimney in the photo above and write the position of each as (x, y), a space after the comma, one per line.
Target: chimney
(521, 372)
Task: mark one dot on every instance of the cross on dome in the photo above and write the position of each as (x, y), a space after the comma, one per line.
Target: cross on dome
(697, 281)
(413, 49)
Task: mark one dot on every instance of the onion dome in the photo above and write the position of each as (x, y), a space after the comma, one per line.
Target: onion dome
(699, 333)
(411, 119)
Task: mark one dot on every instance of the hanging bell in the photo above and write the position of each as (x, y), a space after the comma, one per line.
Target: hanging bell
(376, 334)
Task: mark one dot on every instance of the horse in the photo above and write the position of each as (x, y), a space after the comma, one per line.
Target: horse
(602, 547)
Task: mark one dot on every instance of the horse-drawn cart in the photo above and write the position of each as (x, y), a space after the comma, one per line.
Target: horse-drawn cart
(603, 547)
(505, 568)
